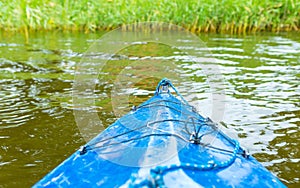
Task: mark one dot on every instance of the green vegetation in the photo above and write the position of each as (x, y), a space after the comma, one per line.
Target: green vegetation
(230, 16)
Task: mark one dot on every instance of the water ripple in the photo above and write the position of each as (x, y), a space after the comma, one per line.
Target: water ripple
(260, 79)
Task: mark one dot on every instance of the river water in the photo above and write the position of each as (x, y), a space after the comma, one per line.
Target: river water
(260, 74)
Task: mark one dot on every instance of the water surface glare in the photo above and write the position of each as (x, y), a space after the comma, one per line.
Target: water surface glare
(261, 76)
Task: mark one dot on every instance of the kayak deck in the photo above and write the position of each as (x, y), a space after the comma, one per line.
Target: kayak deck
(163, 142)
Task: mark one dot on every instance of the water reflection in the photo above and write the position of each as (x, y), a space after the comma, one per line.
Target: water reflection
(37, 127)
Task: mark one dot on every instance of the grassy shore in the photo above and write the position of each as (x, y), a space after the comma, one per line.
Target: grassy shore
(228, 16)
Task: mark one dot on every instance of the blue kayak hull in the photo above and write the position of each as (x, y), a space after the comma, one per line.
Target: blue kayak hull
(163, 142)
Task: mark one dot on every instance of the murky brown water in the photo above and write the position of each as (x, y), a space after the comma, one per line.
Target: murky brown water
(261, 75)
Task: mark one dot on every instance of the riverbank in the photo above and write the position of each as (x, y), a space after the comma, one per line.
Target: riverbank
(226, 16)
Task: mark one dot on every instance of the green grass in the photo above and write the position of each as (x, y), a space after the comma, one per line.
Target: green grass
(230, 16)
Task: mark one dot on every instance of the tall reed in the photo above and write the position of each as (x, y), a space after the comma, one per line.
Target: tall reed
(230, 16)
